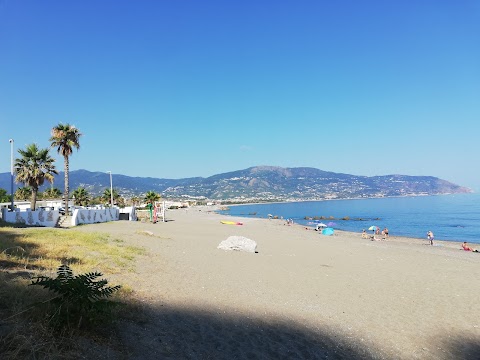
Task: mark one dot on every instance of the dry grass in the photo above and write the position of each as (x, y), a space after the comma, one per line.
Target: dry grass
(26, 252)
(46, 249)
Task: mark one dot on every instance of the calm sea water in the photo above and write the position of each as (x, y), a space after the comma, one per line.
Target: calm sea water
(450, 217)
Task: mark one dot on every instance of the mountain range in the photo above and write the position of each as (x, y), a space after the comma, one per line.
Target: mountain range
(260, 183)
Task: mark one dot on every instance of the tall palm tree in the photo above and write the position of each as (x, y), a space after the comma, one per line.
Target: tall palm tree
(82, 197)
(33, 168)
(65, 138)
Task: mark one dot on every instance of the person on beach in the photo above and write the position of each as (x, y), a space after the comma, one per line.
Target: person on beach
(385, 233)
(467, 248)
(364, 234)
(150, 210)
(430, 237)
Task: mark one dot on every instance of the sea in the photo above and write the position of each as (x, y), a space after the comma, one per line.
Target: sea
(453, 217)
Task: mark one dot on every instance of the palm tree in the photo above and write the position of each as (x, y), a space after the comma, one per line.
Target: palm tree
(4, 197)
(151, 197)
(23, 193)
(106, 198)
(96, 200)
(65, 138)
(135, 200)
(120, 201)
(52, 193)
(33, 168)
(82, 197)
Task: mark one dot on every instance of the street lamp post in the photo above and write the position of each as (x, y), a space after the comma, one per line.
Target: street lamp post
(11, 170)
(111, 189)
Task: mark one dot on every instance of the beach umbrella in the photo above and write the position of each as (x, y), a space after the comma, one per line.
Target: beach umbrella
(327, 231)
(373, 228)
(320, 226)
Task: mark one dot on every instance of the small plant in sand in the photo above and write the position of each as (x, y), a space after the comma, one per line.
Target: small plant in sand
(81, 300)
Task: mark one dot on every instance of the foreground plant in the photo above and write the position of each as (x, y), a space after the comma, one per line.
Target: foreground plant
(81, 299)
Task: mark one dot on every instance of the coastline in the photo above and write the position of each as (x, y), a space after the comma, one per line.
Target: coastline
(303, 295)
(444, 215)
(353, 234)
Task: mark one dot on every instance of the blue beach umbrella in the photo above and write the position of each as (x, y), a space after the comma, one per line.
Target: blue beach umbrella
(373, 228)
(327, 231)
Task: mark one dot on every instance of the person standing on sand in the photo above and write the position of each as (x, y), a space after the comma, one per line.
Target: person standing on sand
(385, 232)
(150, 210)
(430, 237)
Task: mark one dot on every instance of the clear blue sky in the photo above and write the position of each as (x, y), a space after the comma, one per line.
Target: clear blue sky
(178, 89)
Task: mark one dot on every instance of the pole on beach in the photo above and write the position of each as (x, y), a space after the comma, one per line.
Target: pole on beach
(163, 211)
(11, 141)
(111, 189)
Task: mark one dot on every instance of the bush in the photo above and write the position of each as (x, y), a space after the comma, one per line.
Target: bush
(81, 300)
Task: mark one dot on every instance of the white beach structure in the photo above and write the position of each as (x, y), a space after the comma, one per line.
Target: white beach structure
(40, 217)
(47, 214)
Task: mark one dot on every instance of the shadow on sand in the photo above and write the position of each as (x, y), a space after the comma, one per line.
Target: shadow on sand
(165, 332)
(170, 333)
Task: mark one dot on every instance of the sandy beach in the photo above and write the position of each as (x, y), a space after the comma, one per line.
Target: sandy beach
(302, 296)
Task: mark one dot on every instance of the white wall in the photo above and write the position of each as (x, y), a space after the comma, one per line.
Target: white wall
(92, 216)
(39, 217)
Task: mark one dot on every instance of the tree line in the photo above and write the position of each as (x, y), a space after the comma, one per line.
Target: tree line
(35, 166)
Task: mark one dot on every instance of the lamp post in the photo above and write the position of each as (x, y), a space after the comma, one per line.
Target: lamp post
(11, 170)
(111, 189)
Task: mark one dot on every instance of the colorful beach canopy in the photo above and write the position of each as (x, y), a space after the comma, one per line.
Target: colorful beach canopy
(373, 228)
(328, 231)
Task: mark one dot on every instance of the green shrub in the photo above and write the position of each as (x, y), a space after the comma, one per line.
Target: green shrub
(80, 300)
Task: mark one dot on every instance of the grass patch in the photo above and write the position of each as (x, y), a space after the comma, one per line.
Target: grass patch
(46, 249)
(27, 252)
